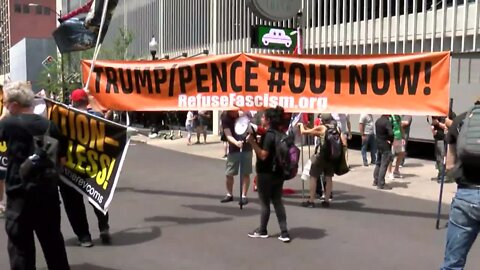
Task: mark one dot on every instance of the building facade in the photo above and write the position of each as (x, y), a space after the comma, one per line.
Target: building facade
(21, 19)
(330, 27)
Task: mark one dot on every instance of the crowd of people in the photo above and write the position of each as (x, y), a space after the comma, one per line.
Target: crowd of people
(33, 206)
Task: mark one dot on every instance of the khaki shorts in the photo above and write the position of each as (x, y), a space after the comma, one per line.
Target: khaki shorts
(397, 147)
(233, 163)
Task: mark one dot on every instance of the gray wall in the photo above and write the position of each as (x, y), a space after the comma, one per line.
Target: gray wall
(464, 89)
(27, 57)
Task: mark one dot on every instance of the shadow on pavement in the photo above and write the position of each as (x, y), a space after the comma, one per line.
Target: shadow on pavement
(397, 184)
(186, 221)
(226, 210)
(338, 195)
(346, 206)
(88, 266)
(413, 165)
(306, 233)
(130, 236)
(359, 207)
(408, 175)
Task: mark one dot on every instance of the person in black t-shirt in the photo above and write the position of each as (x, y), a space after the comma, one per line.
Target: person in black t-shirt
(384, 140)
(463, 225)
(30, 210)
(439, 128)
(238, 154)
(269, 184)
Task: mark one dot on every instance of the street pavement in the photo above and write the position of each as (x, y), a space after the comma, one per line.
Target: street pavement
(166, 214)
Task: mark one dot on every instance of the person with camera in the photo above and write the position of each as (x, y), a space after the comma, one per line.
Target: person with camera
(269, 184)
(33, 203)
(73, 200)
(322, 162)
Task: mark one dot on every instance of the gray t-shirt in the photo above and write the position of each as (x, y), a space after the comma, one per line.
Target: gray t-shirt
(368, 124)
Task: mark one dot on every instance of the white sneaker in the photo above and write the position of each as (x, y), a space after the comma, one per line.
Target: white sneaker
(390, 176)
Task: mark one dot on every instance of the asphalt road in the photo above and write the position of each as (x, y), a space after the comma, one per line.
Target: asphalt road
(166, 215)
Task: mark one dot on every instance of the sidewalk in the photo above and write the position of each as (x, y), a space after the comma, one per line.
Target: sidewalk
(416, 173)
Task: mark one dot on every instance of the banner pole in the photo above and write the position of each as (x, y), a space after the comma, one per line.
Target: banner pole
(442, 181)
(240, 172)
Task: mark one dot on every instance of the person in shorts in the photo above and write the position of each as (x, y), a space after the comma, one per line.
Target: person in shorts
(238, 154)
(320, 165)
(189, 126)
(203, 118)
(398, 146)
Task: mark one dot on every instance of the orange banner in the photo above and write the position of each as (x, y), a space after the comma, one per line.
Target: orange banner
(415, 84)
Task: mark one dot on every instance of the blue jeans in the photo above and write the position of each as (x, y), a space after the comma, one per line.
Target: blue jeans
(369, 143)
(463, 227)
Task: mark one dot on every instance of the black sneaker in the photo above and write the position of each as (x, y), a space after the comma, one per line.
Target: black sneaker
(105, 237)
(308, 204)
(284, 237)
(325, 204)
(384, 187)
(258, 234)
(227, 198)
(243, 201)
(86, 242)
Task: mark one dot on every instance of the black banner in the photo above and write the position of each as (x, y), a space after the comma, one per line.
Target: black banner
(96, 151)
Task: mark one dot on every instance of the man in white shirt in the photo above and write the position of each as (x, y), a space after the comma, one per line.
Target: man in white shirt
(189, 126)
(366, 127)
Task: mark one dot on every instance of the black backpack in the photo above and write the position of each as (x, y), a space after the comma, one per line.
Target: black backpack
(287, 155)
(468, 141)
(332, 146)
(40, 170)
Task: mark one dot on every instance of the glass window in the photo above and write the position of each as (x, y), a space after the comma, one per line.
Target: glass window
(18, 8)
(46, 11)
(38, 10)
(26, 9)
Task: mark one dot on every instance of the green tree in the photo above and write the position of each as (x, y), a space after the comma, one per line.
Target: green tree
(51, 79)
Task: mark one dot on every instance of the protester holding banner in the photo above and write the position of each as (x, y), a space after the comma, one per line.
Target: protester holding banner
(269, 184)
(33, 204)
(238, 154)
(73, 200)
(321, 164)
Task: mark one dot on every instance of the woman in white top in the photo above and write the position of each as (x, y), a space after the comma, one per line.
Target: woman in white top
(189, 126)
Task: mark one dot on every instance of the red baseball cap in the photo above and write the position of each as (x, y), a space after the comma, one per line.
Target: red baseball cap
(78, 95)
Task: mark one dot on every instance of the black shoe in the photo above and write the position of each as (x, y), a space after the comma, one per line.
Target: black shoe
(284, 237)
(374, 184)
(325, 204)
(384, 187)
(258, 234)
(85, 242)
(105, 237)
(365, 164)
(308, 204)
(243, 201)
(227, 198)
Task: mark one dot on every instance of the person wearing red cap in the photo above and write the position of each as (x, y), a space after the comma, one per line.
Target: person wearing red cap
(73, 200)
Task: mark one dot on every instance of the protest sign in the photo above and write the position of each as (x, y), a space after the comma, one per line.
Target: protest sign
(414, 84)
(96, 151)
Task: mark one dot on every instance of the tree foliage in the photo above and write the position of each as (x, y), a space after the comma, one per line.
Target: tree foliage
(51, 77)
